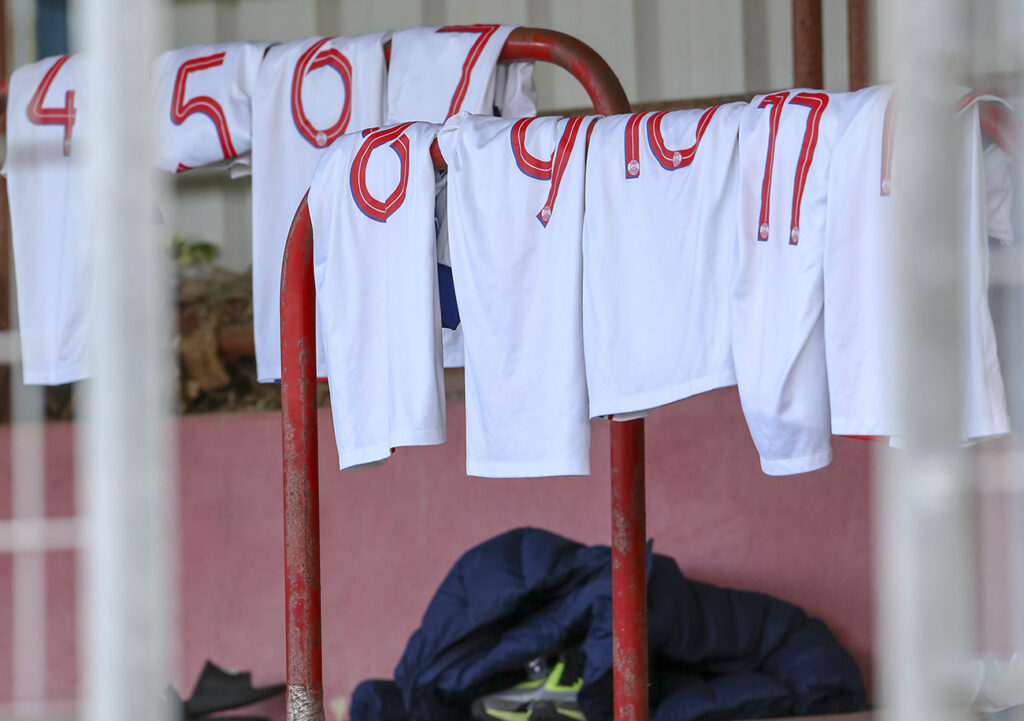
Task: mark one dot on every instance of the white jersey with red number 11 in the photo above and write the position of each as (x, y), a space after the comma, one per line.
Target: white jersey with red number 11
(46, 112)
(859, 274)
(202, 97)
(308, 94)
(786, 141)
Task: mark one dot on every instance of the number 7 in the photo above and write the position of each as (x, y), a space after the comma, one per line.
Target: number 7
(486, 31)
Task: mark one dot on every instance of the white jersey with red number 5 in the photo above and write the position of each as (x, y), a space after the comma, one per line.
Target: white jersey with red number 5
(859, 274)
(436, 72)
(308, 94)
(660, 223)
(46, 114)
(203, 103)
(786, 141)
(371, 202)
(515, 209)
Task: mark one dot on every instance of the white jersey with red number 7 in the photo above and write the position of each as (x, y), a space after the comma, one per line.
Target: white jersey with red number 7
(436, 72)
(786, 141)
(202, 98)
(46, 112)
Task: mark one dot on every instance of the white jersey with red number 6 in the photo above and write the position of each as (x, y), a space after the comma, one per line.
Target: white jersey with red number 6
(371, 202)
(859, 274)
(515, 208)
(659, 255)
(308, 94)
(786, 141)
(203, 103)
(46, 114)
(436, 72)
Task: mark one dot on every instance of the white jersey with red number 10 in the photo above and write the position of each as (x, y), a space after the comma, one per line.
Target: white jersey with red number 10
(435, 73)
(308, 94)
(46, 112)
(786, 141)
(203, 102)
(660, 222)
(371, 202)
(515, 207)
(858, 275)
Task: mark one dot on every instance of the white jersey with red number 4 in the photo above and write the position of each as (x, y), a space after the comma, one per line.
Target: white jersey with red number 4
(863, 186)
(203, 102)
(46, 111)
(436, 72)
(515, 222)
(786, 140)
(659, 255)
(308, 94)
(371, 202)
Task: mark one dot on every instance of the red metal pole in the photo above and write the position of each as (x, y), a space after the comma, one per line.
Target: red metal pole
(807, 47)
(301, 477)
(857, 42)
(301, 483)
(629, 571)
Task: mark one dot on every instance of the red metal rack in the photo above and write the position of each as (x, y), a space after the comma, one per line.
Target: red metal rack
(301, 482)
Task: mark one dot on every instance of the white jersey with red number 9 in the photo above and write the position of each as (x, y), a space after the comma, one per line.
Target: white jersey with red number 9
(202, 97)
(786, 140)
(308, 93)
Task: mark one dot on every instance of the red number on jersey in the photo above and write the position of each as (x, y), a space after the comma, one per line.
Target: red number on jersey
(372, 207)
(888, 142)
(816, 102)
(54, 116)
(669, 159)
(486, 31)
(552, 169)
(308, 62)
(181, 109)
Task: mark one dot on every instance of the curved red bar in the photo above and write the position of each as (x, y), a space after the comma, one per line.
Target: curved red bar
(301, 478)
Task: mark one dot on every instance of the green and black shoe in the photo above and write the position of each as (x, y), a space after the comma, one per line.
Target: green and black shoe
(548, 694)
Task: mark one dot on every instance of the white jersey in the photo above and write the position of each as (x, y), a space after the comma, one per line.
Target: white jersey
(371, 203)
(46, 117)
(202, 97)
(863, 185)
(436, 72)
(308, 93)
(786, 140)
(660, 223)
(515, 203)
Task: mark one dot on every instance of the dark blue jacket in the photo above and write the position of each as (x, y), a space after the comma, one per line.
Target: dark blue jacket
(715, 653)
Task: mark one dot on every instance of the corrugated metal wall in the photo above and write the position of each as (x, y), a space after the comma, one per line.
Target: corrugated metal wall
(660, 49)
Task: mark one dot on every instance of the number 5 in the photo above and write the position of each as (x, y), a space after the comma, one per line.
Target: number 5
(181, 109)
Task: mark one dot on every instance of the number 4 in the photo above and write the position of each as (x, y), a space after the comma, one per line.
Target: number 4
(54, 116)
(816, 102)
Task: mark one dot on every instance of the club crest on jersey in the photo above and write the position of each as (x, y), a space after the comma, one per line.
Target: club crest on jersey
(551, 169)
(370, 206)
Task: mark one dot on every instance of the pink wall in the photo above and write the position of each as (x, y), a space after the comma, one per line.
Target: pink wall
(390, 534)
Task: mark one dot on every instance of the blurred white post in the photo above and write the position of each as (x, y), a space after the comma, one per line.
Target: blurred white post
(126, 494)
(923, 507)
